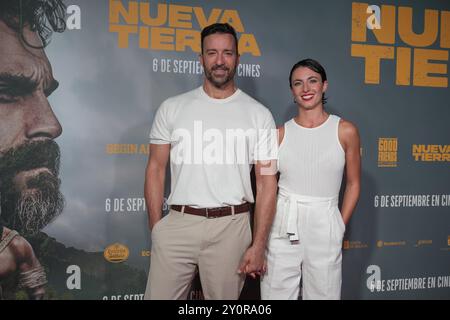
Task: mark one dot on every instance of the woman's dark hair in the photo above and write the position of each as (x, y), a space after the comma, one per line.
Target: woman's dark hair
(312, 65)
(42, 16)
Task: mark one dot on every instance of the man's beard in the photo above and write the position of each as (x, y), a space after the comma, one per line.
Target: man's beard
(219, 82)
(29, 209)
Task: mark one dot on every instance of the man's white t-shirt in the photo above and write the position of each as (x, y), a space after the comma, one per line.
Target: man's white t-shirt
(214, 143)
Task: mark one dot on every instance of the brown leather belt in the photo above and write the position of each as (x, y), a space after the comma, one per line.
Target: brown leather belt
(213, 212)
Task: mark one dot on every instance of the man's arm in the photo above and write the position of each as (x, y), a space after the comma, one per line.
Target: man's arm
(253, 261)
(349, 137)
(155, 175)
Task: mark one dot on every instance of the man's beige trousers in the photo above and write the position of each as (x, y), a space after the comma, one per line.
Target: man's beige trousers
(181, 242)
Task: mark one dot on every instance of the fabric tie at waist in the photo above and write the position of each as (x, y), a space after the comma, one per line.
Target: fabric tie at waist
(291, 212)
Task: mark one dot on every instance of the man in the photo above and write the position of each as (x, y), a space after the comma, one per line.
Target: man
(17, 255)
(208, 223)
(29, 158)
(306, 236)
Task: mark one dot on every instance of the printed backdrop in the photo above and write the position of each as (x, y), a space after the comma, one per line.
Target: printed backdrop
(387, 68)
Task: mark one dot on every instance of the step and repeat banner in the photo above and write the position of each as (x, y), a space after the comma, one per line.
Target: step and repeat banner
(388, 68)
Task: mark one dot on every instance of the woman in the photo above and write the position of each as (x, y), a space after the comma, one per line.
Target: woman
(307, 232)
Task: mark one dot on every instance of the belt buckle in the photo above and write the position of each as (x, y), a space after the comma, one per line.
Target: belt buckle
(207, 213)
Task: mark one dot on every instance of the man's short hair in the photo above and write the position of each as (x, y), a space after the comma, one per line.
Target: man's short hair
(42, 16)
(223, 28)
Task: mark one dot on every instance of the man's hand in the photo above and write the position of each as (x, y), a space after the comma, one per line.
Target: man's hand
(253, 262)
(154, 182)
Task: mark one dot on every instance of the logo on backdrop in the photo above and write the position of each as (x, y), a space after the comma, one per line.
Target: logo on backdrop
(387, 152)
(431, 152)
(116, 253)
(176, 28)
(347, 244)
(381, 243)
(420, 59)
(423, 243)
(170, 27)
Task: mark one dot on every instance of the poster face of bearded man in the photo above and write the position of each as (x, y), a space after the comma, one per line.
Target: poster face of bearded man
(29, 157)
